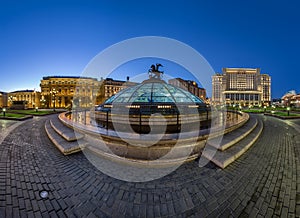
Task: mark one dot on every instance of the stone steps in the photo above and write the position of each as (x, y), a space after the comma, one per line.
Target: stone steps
(223, 158)
(66, 132)
(235, 136)
(64, 138)
(65, 146)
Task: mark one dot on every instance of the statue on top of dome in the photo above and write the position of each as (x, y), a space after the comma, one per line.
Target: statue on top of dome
(154, 71)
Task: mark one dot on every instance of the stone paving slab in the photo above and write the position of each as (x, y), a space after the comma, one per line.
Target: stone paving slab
(264, 182)
(224, 158)
(64, 146)
(6, 127)
(235, 136)
(66, 132)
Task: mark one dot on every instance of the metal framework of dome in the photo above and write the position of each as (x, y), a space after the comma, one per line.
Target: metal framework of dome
(154, 91)
(152, 96)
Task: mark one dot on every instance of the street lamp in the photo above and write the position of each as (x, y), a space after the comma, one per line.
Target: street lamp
(36, 109)
(4, 110)
(265, 108)
(288, 110)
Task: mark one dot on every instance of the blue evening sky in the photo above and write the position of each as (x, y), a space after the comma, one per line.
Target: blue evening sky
(44, 38)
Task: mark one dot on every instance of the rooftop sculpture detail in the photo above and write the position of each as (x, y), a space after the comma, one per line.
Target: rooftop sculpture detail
(154, 71)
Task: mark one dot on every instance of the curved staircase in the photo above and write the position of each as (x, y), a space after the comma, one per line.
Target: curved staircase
(63, 137)
(233, 143)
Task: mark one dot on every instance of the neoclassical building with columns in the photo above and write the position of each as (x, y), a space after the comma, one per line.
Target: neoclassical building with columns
(64, 91)
(30, 98)
(67, 91)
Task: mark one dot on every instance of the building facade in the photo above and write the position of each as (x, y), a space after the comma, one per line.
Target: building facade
(64, 91)
(217, 89)
(242, 86)
(291, 99)
(110, 87)
(190, 86)
(3, 99)
(30, 98)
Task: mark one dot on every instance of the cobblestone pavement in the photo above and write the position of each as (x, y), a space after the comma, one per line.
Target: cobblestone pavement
(264, 182)
(6, 123)
(6, 126)
(297, 121)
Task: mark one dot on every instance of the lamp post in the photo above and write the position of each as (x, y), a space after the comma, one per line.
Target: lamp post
(265, 108)
(288, 110)
(36, 109)
(4, 110)
(274, 108)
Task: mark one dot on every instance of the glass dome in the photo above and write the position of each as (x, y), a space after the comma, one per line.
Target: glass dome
(153, 92)
(139, 104)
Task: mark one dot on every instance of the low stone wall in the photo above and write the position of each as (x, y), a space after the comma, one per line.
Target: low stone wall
(138, 147)
(141, 123)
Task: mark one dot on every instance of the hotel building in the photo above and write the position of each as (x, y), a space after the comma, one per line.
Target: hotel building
(190, 86)
(243, 86)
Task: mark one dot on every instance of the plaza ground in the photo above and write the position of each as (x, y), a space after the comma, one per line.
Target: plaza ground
(264, 182)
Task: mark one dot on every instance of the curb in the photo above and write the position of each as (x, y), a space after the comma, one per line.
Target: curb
(282, 117)
(17, 119)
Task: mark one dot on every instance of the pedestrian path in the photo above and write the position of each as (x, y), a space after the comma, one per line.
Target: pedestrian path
(6, 126)
(263, 182)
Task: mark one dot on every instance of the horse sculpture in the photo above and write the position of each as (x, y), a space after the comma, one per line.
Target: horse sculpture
(154, 71)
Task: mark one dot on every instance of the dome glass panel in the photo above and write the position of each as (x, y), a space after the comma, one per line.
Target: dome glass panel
(153, 92)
